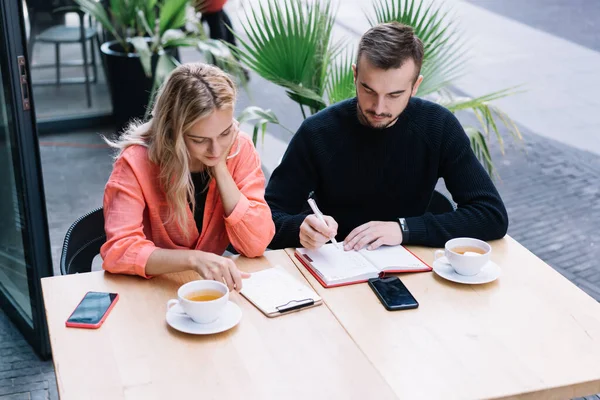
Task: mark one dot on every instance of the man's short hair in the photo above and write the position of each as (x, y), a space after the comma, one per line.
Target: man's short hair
(390, 45)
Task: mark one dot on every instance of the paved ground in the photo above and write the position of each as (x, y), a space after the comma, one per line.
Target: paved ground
(22, 375)
(574, 20)
(552, 194)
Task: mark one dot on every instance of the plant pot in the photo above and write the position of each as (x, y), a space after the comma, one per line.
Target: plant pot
(129, 86)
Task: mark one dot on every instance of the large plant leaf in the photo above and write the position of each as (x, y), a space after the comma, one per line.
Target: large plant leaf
(124, 16)
(488, 117)
(149, 9)
(261, 118)
(457, 103)
(289, 43)
(143, 21)
(172, 15)
(98, 12)
(141, 48)
(218, 53)
(164, 66)
(180, 42)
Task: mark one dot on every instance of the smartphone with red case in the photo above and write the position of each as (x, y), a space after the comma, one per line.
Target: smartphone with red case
(93, 309)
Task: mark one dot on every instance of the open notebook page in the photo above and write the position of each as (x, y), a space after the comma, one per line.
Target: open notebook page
(393, 258)
(337, 266)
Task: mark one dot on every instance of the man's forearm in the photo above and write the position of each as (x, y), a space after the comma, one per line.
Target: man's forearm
(479, 221)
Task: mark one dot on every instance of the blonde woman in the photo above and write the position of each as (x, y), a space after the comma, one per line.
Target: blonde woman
(186, 184)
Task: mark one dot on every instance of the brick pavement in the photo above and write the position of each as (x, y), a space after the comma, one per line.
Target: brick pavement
(552, 194)
(22, 374)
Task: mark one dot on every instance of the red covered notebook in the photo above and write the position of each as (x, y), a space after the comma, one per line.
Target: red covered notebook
(335, 267)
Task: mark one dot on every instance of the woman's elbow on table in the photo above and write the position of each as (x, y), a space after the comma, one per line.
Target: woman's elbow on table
(126, 258)
(256, 243)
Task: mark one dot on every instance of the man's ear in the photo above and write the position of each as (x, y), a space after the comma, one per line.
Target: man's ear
(416, 85)
(354, 72)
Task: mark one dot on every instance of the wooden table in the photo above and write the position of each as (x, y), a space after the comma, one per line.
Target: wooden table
(529, 335)
(135, 355)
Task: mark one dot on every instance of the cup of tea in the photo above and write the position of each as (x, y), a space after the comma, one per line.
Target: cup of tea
(466, 255)
(202, 301)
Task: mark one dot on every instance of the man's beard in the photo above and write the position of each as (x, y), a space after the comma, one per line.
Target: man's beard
(365, 121)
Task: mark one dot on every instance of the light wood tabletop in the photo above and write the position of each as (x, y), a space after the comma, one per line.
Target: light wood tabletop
(531, 334)
(136, 355)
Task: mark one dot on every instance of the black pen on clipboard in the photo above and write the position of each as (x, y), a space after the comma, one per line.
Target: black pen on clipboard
(319, 214)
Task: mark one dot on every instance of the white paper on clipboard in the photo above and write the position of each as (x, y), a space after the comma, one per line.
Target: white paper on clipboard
(275, 292)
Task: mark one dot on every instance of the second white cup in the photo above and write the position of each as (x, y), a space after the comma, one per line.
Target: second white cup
(466, 255)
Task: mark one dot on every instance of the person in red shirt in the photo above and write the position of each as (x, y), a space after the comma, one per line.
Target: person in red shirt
(186, 184)
(217, 19)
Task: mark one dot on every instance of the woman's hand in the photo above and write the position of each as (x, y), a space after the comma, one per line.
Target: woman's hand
(222, 164)
(218, 268)
(230, 193)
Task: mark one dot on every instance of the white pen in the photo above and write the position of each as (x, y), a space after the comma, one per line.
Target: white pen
(319, 214)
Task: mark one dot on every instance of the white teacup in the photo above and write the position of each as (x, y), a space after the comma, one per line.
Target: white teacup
(465, 263)
(201, 312)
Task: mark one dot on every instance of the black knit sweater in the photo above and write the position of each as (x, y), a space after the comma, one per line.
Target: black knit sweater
(359, 174)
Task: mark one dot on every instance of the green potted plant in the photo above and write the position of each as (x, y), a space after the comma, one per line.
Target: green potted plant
(142, 50)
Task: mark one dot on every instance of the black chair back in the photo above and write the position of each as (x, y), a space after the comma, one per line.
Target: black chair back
(82, 243)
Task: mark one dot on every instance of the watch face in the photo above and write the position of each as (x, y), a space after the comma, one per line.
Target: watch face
(403, 224)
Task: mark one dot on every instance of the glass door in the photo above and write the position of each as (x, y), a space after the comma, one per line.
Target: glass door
(24, 243)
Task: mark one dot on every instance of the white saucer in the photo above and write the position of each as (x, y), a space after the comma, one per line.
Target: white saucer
(489, 273)
(232, 314)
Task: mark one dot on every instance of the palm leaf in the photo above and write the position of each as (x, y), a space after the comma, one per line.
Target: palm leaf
(288, 42)
(444, 49)
(480, 148)
(487, 116)
(340, 85)
(456, 103)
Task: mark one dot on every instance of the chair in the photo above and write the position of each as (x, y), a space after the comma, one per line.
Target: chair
(82, 243)
(440, 204)
(62, 34)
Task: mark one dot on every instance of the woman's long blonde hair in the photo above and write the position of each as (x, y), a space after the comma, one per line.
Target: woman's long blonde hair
(192, 92)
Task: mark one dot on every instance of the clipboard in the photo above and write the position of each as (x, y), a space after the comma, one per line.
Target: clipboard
(275, 292)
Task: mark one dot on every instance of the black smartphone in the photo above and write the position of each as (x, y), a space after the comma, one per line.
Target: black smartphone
(93, 309)
(392, 293)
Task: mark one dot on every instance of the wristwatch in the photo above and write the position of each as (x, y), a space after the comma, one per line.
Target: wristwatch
(404, 229)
